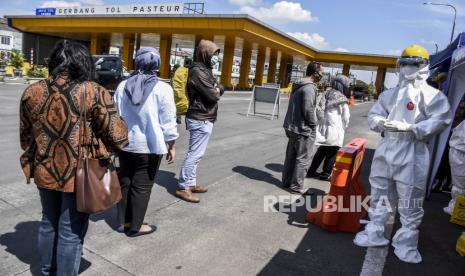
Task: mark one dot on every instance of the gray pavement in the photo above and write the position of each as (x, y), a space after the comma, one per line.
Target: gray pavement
(228, 233)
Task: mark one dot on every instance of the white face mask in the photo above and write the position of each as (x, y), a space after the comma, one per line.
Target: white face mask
(215, 60)
(410, 72)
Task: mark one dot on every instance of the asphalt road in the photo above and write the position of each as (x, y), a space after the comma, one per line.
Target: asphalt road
(228, 233)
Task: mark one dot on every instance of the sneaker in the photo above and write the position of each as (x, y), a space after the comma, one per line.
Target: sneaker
(450, 207)
(186, 195)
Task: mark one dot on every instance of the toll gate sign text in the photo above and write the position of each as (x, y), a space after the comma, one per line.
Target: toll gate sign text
(115, 10)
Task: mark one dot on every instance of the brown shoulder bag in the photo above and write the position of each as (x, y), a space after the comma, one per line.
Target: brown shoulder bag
(96, 184)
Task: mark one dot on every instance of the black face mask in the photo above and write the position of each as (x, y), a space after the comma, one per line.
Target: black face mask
(317, 77)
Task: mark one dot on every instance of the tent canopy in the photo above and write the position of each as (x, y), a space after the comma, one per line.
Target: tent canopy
(442, 59)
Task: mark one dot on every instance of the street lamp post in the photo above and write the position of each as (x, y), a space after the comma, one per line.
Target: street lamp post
(175, 53)
(455, 15)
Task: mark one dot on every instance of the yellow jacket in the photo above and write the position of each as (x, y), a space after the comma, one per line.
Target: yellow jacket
(179, 83)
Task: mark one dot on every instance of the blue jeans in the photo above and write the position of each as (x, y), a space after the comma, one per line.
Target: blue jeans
(61, 233)
(200, 132)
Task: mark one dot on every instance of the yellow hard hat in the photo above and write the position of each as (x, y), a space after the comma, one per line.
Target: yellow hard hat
(414, 55)
(415, 50)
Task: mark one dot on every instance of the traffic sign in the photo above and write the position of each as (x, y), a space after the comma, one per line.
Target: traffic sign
(46, 11)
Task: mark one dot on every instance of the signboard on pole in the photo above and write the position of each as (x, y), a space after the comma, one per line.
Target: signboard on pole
(141, 9)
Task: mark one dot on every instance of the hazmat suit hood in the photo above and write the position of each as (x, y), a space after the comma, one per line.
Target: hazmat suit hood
(205, 51)
(419, 76)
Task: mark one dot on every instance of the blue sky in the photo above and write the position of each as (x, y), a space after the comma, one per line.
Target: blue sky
(366, 26)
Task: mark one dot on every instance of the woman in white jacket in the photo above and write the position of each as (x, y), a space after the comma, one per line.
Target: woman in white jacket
(147, 106)
(333, 118)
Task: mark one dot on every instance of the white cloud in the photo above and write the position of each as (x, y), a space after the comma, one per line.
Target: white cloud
(59, 4)
(448, 10)
(312, 39)
(424, 23)
(367, 76)
(424, 41)
(280, 12)
(341, 50)
(92, 2)
(67, 4)
(394, 52)
(246, 2)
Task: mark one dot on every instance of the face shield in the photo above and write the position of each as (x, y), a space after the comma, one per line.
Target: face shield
(411, 67)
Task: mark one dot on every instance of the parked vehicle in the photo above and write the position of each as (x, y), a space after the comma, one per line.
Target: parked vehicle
(109, 71)
(358, 95)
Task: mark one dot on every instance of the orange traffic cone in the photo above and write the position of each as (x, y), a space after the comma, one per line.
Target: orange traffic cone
(338, 211)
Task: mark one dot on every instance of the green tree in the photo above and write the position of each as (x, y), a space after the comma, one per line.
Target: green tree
(3, 59)
(16, 59)
(360, 86)
(371, 89)
(38, 72)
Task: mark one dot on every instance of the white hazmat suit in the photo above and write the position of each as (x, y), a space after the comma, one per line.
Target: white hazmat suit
(408, 116)
(457, 164)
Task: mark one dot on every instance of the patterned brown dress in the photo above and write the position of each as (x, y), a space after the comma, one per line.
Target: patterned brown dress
(49, 130)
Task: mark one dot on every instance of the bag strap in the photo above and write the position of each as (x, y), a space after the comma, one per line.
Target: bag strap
(82, 119)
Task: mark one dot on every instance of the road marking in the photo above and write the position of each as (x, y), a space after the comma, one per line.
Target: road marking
(362, 103)
(375, 258)
(234, 99)
(13, 83)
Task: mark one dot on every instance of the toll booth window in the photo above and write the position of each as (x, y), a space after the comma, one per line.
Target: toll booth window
(5, 40)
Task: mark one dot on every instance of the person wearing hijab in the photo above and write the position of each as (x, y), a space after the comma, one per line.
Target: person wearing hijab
(204, 93)
(333, 116)
(147, 106)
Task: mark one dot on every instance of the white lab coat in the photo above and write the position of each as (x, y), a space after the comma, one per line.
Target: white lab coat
(330, 131)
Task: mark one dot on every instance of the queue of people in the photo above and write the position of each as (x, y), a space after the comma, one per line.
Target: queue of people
(315, 124)
(140, 123)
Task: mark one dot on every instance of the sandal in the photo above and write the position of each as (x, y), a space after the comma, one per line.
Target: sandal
(125, 229)
(133, 234)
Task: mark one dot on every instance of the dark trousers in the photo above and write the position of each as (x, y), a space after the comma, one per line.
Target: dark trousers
(61, 233)
(326, 153)
(136, 177)
(299, 152)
